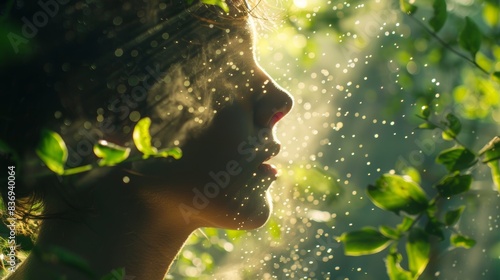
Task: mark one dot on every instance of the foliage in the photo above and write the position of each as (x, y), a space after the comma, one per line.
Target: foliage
(400, 193)
(53, 152)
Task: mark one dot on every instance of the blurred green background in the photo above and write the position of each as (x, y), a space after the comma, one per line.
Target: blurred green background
(359, 72)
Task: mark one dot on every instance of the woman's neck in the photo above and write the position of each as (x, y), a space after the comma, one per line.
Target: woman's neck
(118, 234)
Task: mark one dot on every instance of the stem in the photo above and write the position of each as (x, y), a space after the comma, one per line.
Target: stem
(447, 46)
(438, 126)
(78, 169)
(495, 173)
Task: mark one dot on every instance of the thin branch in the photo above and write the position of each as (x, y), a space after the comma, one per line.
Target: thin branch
(447, 46)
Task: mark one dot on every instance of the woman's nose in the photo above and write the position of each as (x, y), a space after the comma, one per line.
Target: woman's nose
(273, 104)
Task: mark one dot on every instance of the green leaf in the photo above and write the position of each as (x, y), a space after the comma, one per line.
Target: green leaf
(470, 37)
(364, 242)
(235, 235)
(454, 126)
(110, 153)
(427, 125)
(405, 224)
(219, 3)
(394, 269)
(142, 138)
(440, 14)
(115, 274)
(458, 240)
(406, 7)
(52, 151)
(496, 74)
(389, 232)
(447, 136)
(425, 111)
(451, 217)
(413, 174)
(495, 173)
(175, 152)
(456, 159)
(491, 151)
(418, 249)
(454, 184)
(435, 228)
(274, 229)
(395, 193)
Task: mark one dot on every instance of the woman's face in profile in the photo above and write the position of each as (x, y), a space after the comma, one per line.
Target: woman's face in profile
(222, 178)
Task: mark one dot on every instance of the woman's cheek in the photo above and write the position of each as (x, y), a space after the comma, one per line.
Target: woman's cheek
(245, 149)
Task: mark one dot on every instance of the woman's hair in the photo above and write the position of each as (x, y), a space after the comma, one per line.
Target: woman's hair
(90, 70)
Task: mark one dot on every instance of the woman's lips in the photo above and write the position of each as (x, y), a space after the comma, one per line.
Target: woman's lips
(276, 117)
(268, 169)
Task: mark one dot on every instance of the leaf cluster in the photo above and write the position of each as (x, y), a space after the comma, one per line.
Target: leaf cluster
(403, 195)
(53, 152)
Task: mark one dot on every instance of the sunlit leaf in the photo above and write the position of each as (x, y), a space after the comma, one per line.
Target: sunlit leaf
(427, 125)
(394, 269)
(52, 151)
(273, 227)
(407, 7)
(491, 151)
(440, 14)
(235, 235)
(458, 240)
(110, 154)
(418, 249)
(451, 217)
(207, 260)
(495, 173)
(219, 3)
(405, 224)
(454, 184)
(364, 242)
(395, 193)
(142, 137)
(446, 135)
(456, 159)
(412, 173)
(491, 14)
(175, 152)
(470, 37)
(389, 232)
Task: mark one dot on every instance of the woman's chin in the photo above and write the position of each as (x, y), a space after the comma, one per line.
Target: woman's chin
(251, 213)
(258, 216)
